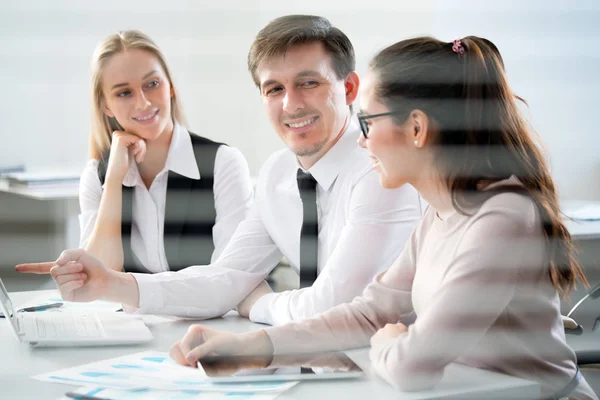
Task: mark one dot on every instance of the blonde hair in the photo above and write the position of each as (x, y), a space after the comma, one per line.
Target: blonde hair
(102, 126)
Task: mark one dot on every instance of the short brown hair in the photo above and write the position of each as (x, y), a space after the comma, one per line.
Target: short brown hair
(288, 31)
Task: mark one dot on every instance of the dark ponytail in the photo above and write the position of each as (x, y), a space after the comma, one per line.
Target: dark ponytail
(481, 137)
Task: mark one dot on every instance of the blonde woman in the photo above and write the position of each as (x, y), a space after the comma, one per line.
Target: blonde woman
(154, 197)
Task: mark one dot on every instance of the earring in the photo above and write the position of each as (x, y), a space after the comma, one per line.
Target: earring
(417, 143)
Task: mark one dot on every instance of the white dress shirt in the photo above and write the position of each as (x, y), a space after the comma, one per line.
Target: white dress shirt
(232, 191)
(362, 230)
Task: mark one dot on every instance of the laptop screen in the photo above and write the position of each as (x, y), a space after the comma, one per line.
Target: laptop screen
(8, 309)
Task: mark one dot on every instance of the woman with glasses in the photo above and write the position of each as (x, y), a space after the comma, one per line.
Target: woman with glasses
(154, 197)
(484, 269)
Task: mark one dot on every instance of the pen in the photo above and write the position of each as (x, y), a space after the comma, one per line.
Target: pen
(42, 307)
(73, 395)
(36, 308)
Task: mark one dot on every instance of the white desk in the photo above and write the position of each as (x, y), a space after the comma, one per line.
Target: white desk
(580, 230)
(584, 230)
(20, 362)
(41, 193)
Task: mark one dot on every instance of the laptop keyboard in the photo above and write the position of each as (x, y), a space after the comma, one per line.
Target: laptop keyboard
(67, 325)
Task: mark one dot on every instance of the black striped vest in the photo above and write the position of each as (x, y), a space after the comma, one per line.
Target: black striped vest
(189, 213)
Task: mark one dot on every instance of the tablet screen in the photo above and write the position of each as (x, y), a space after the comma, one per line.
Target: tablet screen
(335, 365)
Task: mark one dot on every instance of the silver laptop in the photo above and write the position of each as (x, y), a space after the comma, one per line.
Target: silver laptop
(49, 329)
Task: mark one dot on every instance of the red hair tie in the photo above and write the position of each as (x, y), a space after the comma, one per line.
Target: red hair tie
(457, 47)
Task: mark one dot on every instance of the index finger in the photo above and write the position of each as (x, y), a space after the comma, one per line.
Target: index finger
(193, 337)
(178, 356)
(130, 138)
(210, 347)
(69, 255)
(35, 268)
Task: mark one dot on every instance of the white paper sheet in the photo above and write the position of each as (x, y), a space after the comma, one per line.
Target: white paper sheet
(151, 369)
(104, 308)
(68, 306)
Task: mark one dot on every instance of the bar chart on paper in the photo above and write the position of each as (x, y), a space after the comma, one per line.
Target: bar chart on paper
(148, 374)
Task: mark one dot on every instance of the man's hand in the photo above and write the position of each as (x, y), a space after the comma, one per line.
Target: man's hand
(246, 305)
(81, 277)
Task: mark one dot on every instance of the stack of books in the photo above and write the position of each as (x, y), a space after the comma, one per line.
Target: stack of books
(5, 169)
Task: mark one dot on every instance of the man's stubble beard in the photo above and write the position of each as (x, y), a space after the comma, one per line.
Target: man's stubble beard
(314, 149)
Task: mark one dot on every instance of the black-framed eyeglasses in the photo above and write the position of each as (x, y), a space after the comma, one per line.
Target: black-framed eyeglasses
(362, 120)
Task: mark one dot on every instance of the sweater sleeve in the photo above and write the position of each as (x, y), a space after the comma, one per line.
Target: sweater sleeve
(476, 290)
(351, 325)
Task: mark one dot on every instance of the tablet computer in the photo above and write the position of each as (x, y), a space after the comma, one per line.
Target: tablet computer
(293, 367)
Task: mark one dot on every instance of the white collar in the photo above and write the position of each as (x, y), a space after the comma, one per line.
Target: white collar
(327, 169)
(180, 159)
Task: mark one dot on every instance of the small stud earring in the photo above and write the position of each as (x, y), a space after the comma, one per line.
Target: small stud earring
(417, 143)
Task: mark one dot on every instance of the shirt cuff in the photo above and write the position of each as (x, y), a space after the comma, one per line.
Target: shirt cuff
(151, 297)
(260, 310)
(86, 227)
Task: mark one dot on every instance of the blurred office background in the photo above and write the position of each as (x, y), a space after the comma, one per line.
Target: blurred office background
(550, 50)
(549, 47)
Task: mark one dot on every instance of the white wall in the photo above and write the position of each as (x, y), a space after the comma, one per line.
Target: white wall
(550, 50)
(46, 46)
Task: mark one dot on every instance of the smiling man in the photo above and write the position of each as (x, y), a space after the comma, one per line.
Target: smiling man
(318, 202)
